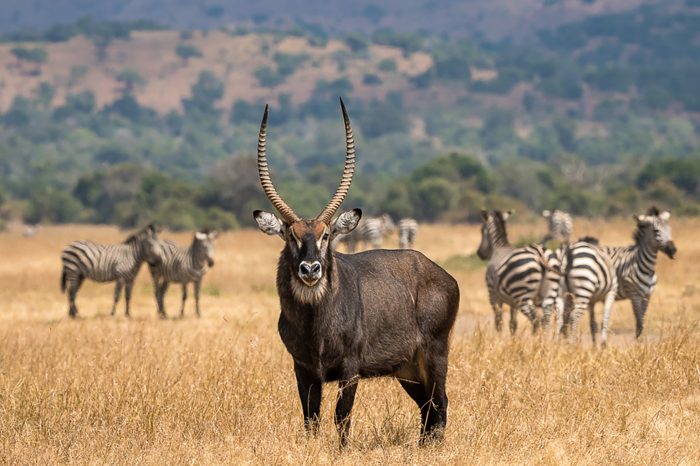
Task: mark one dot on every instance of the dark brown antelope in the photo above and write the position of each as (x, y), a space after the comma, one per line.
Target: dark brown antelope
(350, 316)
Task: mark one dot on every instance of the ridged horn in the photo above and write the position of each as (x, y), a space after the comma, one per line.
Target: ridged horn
(263, 170)
(346, 179)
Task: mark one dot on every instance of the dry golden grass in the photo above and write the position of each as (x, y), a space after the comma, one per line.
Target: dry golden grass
(104, 390)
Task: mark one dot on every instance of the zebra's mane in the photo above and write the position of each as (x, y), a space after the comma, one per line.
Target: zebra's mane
(500, 224)
(135, 237)
(653, 210)
(642, 228)
(590, 240)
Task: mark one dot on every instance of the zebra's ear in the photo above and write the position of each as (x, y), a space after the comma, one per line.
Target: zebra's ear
(640, 218)
(346, 222)
(546, 213)
(269, 223)
(508, 213)
(665, 215)
(200, 236)
(484, 215)
(213, 234)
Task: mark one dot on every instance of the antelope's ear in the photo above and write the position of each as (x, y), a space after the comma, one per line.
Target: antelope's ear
(346, 222)
(269, 223)
(484, 215)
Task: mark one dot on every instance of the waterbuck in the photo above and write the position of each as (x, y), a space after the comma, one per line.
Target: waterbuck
(350, 316)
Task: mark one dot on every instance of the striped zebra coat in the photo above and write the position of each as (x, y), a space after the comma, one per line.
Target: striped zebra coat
(371, 231)
(183, 265)
(589, 277)
(523, 278)
(559, 226)
(107, 263)
(408, 227)
(635, 265)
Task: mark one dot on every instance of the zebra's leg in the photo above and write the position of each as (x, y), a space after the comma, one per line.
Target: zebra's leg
(497, 311)
(580, 306)
(197, 286)
(530, 312)
(163, 288)
(184, 298)
(607, 310)
(117, 293)
(559, 313)
(73, 287)
(513, 324)
(156, 292)
(639, 306)
(127, 296)
(594, 324)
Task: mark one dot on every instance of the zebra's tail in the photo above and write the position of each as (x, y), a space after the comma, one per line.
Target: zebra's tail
(63, 280)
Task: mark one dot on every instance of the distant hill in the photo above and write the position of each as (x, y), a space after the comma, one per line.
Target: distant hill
(249, 65)
(485, 18)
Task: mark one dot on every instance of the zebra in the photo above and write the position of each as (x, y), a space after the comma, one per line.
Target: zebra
(523, 277)
(183, 265)
(370, 231)
(589, 277)
(559, 226)
(408, 227)
(107, 263)
(635, 265)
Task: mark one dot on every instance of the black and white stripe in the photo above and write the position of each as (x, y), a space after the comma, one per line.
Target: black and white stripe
(408, 228)
(635, 265)
(371, 231)
(183, 265)
(589, 277)
(559, 226)
(107, 263)
(523, 278)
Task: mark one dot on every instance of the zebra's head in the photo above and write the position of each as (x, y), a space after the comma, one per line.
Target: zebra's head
(493, 231)
(203, 246)
(308, 242)
(654, 229)
(146, 240)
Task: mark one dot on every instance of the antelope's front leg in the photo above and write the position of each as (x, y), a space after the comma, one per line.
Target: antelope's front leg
(309, 386)
(343, 408)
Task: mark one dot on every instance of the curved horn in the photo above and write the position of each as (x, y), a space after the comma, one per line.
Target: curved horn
(346, 179)
(287, 213)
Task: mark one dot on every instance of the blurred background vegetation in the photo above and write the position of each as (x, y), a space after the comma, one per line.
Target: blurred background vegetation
(598, 115)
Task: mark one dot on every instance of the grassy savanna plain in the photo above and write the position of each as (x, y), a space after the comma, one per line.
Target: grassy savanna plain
(220, 389)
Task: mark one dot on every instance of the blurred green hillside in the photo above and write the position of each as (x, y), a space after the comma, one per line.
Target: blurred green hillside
(127, 122)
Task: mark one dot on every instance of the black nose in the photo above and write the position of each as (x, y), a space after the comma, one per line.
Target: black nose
(310, 269)
(670, 249)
